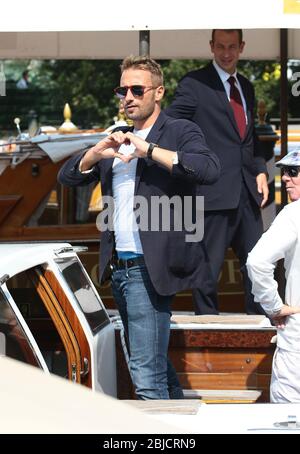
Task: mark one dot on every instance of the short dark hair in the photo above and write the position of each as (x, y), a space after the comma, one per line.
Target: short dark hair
(238, 30)
(145, 63)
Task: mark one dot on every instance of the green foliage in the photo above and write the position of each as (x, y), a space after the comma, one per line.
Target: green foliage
(265, 76)
(13, 69)
(173, 71)
(87, 85)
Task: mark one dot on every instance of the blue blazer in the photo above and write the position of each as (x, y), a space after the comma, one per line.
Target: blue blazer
(173, 264)
(201, 98)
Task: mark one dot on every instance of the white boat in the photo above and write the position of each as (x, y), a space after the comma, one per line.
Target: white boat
(51, 317)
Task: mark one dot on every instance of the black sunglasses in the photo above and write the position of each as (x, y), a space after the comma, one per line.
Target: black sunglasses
(136, 90)
(291, 171)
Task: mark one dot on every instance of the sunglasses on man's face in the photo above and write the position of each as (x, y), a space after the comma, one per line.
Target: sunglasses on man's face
(291, 171)
(136, 90)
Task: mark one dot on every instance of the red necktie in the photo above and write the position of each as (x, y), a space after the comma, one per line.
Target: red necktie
(237, 106)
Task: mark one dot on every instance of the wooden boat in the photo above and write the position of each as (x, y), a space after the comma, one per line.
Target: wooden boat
(34, 207)
(52, 317)
(219, 361)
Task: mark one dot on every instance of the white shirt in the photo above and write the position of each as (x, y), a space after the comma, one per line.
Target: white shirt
(22, 84)
(126, 230)
(224, 76)
(281, 240)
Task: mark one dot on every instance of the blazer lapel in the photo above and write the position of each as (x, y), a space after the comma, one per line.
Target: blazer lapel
(106, 168)
(153, 136)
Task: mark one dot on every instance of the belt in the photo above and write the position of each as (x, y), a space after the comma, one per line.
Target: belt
(129, 263)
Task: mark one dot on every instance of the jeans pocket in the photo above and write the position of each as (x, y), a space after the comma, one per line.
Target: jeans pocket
(138, 273)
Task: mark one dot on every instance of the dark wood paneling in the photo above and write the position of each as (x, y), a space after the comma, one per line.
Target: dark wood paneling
(231, 381)
(69, 233)
(214, 360)
(222, 338)
(19, 181)
(7, 204)
(220, 360)
(74, 322)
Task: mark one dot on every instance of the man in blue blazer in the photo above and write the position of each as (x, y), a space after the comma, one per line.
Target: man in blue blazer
(152, 253)
(223, 108)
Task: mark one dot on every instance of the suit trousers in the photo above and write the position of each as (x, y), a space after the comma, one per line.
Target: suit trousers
(240, 229)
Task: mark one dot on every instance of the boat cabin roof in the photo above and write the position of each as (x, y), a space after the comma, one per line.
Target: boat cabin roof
(17, 257)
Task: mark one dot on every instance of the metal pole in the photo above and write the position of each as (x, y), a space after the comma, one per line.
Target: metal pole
(144, 42)
(283, 102)
(279, 272)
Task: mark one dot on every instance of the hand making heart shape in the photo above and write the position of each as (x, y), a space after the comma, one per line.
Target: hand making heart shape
(114, 141)
(109, 148)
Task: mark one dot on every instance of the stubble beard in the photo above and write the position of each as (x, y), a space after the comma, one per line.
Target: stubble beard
(140, 114)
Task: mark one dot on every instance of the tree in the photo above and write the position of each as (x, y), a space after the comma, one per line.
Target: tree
(173, 71)
(87, 85)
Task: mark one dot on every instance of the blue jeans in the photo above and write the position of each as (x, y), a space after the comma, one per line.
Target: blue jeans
(146, 319)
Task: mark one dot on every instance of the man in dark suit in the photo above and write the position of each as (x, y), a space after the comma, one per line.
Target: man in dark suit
(152, 257)
(221, 102)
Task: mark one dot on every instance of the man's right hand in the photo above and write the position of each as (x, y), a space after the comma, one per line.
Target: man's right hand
(105, 149)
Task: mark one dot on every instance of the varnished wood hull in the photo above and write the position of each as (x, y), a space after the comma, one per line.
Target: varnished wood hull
(214, 359)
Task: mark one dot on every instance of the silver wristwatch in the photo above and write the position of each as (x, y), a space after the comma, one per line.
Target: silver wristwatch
(175, 160)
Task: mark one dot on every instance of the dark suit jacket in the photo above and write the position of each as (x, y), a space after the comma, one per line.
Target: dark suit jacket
(173, 264)
(201, 97)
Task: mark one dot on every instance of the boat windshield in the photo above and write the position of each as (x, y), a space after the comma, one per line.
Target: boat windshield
(85, 295)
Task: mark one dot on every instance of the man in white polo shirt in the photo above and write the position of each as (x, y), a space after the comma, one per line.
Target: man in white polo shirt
(282, 241)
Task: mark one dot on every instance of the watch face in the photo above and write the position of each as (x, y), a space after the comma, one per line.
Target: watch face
(175, 159)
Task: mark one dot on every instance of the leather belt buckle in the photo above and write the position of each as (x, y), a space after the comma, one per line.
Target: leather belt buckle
(129, 263)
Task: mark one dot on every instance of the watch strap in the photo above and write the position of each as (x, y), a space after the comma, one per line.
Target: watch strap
(150, 149)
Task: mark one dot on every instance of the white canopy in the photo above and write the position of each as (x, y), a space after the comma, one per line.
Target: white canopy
(98, 29)
(93, 15)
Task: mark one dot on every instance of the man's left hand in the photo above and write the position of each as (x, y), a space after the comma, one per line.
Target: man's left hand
(141, 146)
(262, 187)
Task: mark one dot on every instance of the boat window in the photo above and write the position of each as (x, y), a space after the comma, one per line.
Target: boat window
(13, 340)
(39, 321)
(85, 295)
(63, 205)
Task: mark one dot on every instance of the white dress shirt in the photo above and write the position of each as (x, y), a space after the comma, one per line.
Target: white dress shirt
(224, 76)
